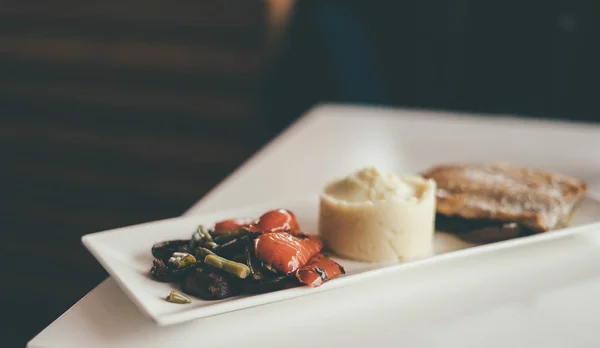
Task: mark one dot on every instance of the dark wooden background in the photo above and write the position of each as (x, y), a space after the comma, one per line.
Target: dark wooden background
(113, 113)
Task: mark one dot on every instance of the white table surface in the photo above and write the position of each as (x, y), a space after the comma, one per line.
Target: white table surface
(552, 301)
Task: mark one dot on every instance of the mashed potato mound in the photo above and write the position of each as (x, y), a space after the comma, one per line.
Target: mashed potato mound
(374, 216)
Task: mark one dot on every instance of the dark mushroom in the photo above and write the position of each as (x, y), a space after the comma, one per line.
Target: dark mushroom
(181, 272)
(253, 286)
(169, 273)
(225, 238)
(208, 283)
(166, 249)
(269, 268)
(232, 248)
(161, 272)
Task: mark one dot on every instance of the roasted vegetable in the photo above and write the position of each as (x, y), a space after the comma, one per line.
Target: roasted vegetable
(181, 260)
(226, 238)
(209, 283)
(177, 297)
(253, 286)
(211, 245)
(202, 231)
(166, 273)
(276, 221)
(234, 247)
(269, 268)
(197, 240)
(318, 270)
(241, 258)
(166, 249)
(230, 225)
(201, 253)
(161, 272)
(242, 231)
(179, 273)
(254, 256)
(285, 251)
(252, 263)
(235, 268)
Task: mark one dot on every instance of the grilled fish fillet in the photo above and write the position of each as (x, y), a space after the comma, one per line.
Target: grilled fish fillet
(537, 199)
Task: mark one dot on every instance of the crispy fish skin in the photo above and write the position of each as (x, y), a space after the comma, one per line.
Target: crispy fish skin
(538, 199)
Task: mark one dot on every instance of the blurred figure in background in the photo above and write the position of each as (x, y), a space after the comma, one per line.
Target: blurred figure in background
(532, 58)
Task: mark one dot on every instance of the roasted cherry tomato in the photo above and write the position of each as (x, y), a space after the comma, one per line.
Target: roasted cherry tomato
(231, 224)
(286, 252)
(277, 220)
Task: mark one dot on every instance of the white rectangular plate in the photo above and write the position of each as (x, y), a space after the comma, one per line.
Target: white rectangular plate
(125, 254)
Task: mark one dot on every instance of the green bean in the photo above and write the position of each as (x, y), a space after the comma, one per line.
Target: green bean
(198, 238)
(204, 232)
(222, 239)
(230, 243)
(181, 259)
(211, 245)
(177, 297)
(256, 274)
(238, 269)
(187, 260)
(201, 253)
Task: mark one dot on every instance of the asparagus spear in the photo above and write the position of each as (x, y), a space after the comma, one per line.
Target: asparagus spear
(238, 269)
(201, 253)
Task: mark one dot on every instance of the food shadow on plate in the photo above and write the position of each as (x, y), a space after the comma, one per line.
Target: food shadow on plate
(480, 231)
(484, 231)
